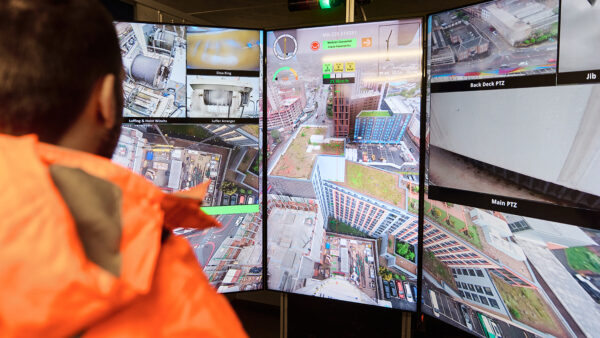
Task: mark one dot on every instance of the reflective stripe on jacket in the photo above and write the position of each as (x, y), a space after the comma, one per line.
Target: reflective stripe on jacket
(83, 251)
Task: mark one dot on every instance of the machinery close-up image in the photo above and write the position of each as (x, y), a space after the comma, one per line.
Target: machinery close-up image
(154, 61)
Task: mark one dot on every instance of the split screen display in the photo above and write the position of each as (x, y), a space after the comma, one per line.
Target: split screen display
(486, 218)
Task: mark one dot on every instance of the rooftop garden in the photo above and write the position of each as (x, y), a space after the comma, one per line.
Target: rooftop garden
(454, 224)
(405, 250)
(438, 269)
(251, 128)
(528, 307)
(583, 259)
(296, 162)
(413, 205)
(333, 225)
(374, 113)
(376, 183)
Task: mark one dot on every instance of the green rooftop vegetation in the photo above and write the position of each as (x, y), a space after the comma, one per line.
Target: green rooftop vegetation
(340, 227)
(405, 250)
(374, 113)
(375, 183)
(583, 259)
(438, 269)
(413, 205)
(527, 306)
(296, 162)
(251, 128)
(453, 224)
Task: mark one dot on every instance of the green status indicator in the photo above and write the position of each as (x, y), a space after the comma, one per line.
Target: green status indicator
(327, 68)
(338, 44)
(231, 209)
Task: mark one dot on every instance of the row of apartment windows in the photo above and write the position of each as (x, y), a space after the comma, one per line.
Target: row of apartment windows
(432, 232)
(519, 226)
(455, 261)
(347, 207)
(463, 255)
(435, 238)
(408, 234)
(509, 277)
(467, 272)
(480, 299)
(362, 198)
(475, 288)
(459, 248)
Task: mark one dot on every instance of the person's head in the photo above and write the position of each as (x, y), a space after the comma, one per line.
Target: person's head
(60, 73)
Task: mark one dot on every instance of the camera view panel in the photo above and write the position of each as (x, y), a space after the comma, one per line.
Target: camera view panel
(230, 256)
(579, 41)
(223, 97)
(501, 38)
(496, 274)
(180, 156)
(154, 60)
(343, 119)
(540, 144)
(219, 51)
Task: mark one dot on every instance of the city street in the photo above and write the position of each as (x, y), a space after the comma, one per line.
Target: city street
(206, 242)
(320, 113)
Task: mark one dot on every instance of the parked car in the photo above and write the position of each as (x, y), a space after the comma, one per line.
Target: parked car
(256, 269)
(401, 294)
(225, 199)
(434, 304)
(386, 289)
(409, 296)
(242, 199)
(465, 313)
(250, 200)
(393, 289)
(234, 198)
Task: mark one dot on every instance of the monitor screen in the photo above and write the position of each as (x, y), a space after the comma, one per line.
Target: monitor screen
(505, 132)
(191, 114)
(343, 121)
(579, 42)
(496, 274)
(512, 202)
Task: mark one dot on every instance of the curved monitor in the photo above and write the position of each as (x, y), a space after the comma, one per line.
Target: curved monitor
(343, 121)
(510, 239)
(193, 96)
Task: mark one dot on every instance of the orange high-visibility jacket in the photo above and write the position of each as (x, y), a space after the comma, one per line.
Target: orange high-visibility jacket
(84, 251)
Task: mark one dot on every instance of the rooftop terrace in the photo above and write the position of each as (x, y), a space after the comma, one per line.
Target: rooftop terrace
(374, 113)
(375, 183)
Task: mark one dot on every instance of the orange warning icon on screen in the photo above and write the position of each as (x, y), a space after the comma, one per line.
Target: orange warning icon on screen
(367, 42)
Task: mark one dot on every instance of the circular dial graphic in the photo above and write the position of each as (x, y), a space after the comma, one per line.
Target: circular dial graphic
(285, 47)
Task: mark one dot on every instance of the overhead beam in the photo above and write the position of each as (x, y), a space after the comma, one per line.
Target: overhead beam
(164, 9)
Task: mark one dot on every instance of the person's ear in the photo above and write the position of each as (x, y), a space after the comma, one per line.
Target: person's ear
(107, 110)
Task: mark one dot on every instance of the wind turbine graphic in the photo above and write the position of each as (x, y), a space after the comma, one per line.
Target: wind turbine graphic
(388, 44)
